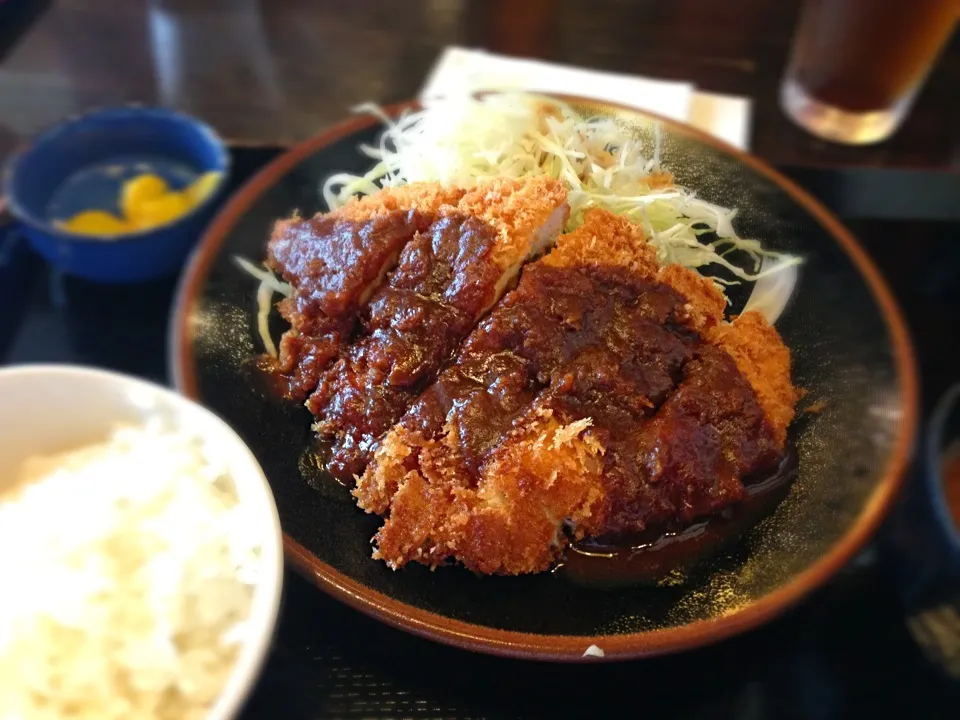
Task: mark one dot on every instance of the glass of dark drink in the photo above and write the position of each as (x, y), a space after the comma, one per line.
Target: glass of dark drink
(858, 64)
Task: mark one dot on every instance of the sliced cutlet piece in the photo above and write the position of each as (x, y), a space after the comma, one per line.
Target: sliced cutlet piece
(493, 377)
(509, 522)
(589, 403)
(488, 465)
(446, 279)
(334, 262)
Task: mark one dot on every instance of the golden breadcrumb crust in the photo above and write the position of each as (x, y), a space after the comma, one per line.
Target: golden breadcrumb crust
(517, 210)
(512, 521)
(605, 239)
(764, 360)
(705, 305)
(424, 197)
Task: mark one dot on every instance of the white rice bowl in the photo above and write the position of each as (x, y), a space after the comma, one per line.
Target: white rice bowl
(142, 560)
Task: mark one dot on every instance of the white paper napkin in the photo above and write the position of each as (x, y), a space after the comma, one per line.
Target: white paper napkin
(725, 116)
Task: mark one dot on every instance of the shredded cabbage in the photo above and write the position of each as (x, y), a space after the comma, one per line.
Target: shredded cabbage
(772, 292)
(269, 284)
(465, 140)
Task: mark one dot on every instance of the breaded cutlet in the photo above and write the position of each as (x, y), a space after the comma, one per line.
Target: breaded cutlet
(544, 472)
(334, 262)
(602, 239)
(559, 462)
(445, 280)
(764, 360)
(337, 255)
(527, 216)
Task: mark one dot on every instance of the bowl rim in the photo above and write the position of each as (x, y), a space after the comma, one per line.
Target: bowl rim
(20, 154)
(568, 648)
(265, 603)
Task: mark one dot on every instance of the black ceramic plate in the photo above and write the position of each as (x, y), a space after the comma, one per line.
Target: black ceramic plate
(850, 348)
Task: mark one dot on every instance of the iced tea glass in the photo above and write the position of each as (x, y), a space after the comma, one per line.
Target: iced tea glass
(857, 65)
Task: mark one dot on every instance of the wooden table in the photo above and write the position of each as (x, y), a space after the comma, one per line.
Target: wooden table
(275, 71)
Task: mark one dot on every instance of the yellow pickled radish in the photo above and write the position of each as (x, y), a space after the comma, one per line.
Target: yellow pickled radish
(201, 188)
(140, 189)
(95, 222)
(146, 202)
(159, 211)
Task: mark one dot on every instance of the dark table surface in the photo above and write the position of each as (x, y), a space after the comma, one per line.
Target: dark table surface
(275, 71)
(845, 652)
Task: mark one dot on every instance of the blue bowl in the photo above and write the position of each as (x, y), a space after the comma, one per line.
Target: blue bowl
(82, 163)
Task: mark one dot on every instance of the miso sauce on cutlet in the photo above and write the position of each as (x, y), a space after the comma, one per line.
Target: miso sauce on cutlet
(690, 461)
(445, 278)
(598, 343)
(650, 557)
(333, 264)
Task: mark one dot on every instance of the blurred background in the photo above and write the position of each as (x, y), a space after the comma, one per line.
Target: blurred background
(273, 72)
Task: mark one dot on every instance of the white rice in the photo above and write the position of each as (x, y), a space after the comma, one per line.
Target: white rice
(127, 572)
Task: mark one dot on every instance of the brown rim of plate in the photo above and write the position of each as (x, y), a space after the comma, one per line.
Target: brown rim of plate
(569, 648)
